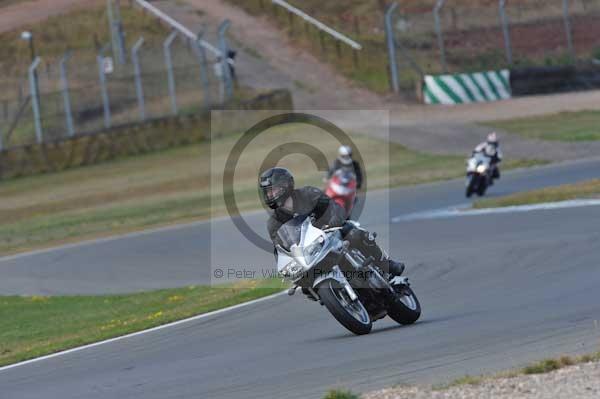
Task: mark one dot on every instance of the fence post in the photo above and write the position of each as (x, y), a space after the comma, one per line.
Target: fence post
(440, 35)
(226, 73)
(35, 100)
(103, 89)
(568, 32)
(391, 45)
(5, 113)
(505, 31)
(64, 83)
(137, 73)
(120, 34)
(170, 75)
(116, 31)
(203, 70)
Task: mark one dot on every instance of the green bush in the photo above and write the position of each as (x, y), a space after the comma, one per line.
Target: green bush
(337, 394)
(548, 365)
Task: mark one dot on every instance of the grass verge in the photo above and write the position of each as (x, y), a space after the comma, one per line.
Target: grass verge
(586, 189)
(563, 126)
(36, 326)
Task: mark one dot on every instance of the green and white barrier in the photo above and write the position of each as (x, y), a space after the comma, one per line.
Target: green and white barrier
(467, 88)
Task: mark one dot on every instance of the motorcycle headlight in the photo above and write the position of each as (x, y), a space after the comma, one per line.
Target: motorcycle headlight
(481, 168)
(312, 250)
(292, 269)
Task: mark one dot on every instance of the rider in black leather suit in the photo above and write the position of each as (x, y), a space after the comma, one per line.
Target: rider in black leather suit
(277, 189)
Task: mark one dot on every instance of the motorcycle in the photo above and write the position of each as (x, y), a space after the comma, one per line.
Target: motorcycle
(478, 174)
(353, 289)
(341, 187)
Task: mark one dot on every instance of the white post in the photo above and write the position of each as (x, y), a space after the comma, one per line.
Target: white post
(505, 31)
(33, 90)
(104, 89)
(568, 31)
(139, 89)
(64, 82)
(223, 47)
(440, 33)
(391, 45)
(170, 75)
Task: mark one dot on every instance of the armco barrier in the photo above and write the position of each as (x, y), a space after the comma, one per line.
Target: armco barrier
(467, 87)
(122, 141)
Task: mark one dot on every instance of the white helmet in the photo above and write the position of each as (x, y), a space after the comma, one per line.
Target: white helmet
(492, 139)
(345, 155)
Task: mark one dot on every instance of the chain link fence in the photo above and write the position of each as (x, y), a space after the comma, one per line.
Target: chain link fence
(458, 36)
(88, 91)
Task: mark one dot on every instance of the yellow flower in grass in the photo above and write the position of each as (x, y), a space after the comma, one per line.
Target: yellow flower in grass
(175, 298)
(155, 315)
(109, 326)
(39, 299)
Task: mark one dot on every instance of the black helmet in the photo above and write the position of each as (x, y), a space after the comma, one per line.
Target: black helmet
(276, 185)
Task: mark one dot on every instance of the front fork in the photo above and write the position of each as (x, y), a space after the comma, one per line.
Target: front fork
(337, 275)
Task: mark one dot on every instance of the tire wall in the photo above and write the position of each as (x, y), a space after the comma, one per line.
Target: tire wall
(547, 80)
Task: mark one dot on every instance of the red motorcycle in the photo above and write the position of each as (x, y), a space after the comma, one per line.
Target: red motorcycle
(341, 187)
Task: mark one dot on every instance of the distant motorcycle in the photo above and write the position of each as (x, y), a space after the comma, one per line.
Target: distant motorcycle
(341, 187)
(479, 174)
(354, 290)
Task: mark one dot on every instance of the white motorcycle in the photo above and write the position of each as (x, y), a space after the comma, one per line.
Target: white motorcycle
(354, 290)
(479, 174)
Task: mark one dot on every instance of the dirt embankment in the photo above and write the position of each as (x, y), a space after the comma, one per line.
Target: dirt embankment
(24, 13)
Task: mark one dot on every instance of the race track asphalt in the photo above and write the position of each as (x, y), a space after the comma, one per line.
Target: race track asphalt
(181, 255)
(497, 291)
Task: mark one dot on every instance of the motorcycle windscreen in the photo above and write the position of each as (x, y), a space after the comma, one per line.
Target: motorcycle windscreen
(345, 175)
(481, 159)
(290, 233)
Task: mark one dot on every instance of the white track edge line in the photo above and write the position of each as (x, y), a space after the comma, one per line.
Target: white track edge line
(462, 212)
(134, 334)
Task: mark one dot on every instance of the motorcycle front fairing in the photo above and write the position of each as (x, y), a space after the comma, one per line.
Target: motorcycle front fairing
(301, 246)
(478, 163)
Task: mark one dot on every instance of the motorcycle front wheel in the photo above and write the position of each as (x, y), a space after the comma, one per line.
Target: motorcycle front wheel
(470, 186)
(482, 188)
(351, 314)
(405, 309)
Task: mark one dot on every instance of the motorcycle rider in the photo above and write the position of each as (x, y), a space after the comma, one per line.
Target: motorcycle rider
(491, 149)
(344, 160)
(278, 193)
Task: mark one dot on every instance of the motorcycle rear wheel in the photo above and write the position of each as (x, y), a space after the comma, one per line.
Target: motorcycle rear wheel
(350, 314)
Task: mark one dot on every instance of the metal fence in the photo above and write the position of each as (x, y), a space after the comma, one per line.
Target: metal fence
(87, 92)
(457, 36)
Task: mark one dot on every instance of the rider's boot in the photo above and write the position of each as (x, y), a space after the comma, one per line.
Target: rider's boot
(394, 270)
(365, 241)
